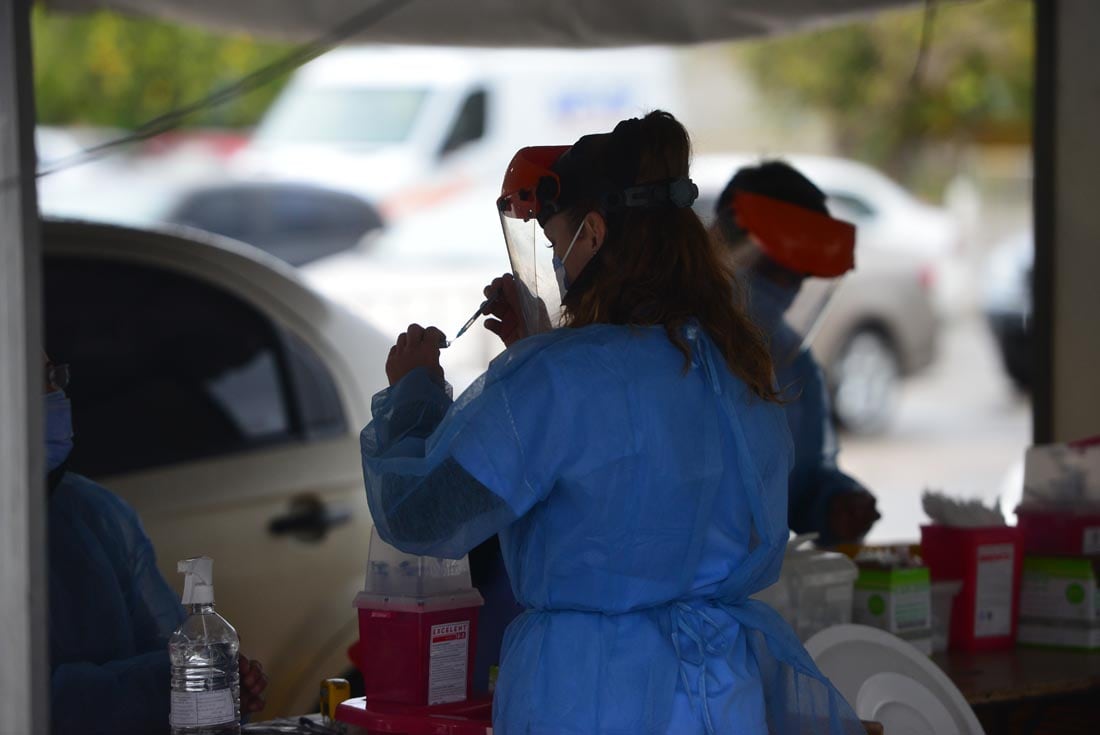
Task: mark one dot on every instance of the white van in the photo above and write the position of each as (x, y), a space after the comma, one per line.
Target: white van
(409, 127)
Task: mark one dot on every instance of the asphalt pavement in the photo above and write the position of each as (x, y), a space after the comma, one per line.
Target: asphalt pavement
(960, 428)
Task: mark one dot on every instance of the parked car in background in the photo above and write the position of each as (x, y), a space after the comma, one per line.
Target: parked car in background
(1006, 302)
(297, 223)
(223, 398)
(880, 327)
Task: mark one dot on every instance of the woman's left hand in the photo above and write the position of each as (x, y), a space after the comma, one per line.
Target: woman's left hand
(416, 347)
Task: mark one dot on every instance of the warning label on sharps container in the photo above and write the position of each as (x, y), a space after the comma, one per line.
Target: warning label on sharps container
(450, 649)
(993, 606)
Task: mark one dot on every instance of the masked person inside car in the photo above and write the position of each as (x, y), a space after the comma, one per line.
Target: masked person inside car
(790, 254)
(111, 611)
(633, 459)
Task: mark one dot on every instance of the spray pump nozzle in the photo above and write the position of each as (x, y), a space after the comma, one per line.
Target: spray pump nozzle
(198, 581)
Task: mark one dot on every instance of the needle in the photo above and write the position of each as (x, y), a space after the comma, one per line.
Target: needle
(483, 309)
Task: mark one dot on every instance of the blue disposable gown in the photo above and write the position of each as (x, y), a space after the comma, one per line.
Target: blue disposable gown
(815, 478)
(640, 502)
(111, 613)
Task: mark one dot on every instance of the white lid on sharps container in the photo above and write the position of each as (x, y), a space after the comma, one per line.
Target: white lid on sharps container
(198, 581)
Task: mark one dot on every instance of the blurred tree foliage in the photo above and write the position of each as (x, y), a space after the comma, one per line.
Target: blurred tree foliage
(975, 83)
(111, 70)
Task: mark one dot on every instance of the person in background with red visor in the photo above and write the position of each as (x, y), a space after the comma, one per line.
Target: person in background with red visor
(778, 229)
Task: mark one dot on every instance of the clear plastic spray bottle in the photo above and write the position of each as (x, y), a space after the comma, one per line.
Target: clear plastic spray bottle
(206, 693)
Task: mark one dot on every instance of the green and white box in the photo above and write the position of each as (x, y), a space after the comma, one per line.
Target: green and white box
(898, 601)
(1059, 603)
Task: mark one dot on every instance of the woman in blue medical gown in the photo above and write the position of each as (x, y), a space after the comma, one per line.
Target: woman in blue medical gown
(634, 461)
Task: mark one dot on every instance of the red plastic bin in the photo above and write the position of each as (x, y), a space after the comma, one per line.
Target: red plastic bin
(989, 562)
(418, 654)
(464, 718)
(1054, 533)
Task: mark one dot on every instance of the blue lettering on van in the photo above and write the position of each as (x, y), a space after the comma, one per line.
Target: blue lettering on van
(589, 102)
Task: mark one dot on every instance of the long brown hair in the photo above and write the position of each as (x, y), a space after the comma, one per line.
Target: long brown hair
(660, 266)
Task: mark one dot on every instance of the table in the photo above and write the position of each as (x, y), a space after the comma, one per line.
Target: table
(1028, 690)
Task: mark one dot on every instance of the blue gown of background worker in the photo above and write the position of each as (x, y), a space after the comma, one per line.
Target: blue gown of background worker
(639, 505)
(815, 478)
(821, 497)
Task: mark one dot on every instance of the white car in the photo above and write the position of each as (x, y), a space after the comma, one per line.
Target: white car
(223, 398)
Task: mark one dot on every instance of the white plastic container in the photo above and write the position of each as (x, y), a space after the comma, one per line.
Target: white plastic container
(392, 573)
(814, 590)
(943, 600)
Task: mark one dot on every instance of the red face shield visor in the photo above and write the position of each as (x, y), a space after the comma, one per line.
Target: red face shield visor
(529, 183)
(798, 239)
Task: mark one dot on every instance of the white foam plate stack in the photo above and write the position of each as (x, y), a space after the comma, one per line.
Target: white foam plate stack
(889, 681)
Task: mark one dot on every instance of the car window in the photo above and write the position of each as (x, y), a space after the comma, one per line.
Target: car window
(847, 206)
(296, 223)
(470, 124)
(221, 210)
(359, 116)
(170, 369)
(321, 412)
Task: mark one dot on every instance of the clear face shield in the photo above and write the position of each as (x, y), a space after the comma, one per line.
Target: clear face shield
(532, 267)
(528, 184)
(792, 261)
(775, 295)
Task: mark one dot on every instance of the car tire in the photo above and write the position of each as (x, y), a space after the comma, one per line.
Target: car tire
(865, 382)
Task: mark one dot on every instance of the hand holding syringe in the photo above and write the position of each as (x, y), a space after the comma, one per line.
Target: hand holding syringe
(418, 347)
(481, 310)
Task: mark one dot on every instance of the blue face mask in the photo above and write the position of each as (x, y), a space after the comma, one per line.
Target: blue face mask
(769, 300)
(559, 265)
(59, 429)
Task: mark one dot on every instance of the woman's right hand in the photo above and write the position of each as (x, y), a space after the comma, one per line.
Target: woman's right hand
(508, 324)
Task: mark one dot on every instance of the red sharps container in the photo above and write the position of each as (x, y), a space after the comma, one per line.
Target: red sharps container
(417, 627)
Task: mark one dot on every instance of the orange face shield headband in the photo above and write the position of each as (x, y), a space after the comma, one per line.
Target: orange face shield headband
(529, 183)
(798, 239)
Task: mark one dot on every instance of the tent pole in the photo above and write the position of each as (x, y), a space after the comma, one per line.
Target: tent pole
(1067, 221)
(24, 665)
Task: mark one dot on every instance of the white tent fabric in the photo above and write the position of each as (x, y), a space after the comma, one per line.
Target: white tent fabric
(505, 22)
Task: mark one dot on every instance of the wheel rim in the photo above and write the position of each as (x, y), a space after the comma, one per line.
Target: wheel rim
(867, 383)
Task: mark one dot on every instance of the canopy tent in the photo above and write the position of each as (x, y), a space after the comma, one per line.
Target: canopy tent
(1066, 219)
(505, 22)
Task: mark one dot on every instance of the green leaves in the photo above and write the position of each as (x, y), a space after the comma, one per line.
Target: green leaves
(975, 83)
(110, 70)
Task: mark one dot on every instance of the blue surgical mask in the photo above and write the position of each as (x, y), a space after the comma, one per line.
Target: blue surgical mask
(59, 429)
(769, 300)
(559, 265)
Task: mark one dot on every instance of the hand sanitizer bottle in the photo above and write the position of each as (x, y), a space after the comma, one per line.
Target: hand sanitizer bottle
(206, 695)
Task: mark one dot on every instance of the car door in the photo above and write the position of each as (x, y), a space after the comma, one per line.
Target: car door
(228, 434)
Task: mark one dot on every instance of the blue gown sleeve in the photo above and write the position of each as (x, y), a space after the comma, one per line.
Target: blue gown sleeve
(816, 479)
(124, 697)
(423, 501)
(442, 478)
